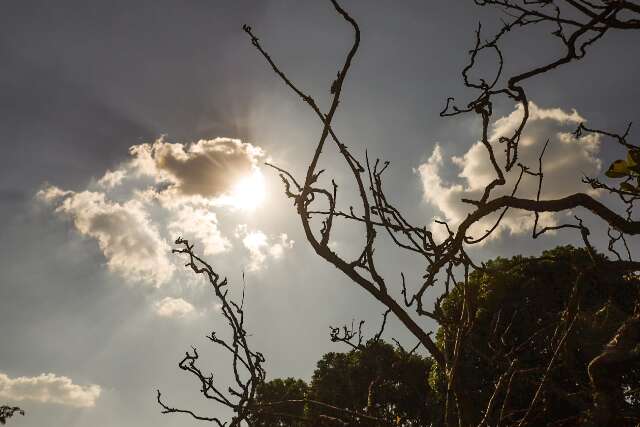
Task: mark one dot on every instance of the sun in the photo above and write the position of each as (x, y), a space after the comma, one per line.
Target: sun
(249, 192)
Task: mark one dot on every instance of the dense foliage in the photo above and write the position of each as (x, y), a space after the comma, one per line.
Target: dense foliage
(377, 379)
(7, 412)
(524, 308)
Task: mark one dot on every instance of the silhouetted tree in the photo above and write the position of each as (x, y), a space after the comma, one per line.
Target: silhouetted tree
(525, 308)
(7, 412)
(539, 340)
(375, 378)
(293, 391)
(521, 314)
(247, 364)
(576, 26)
(390, 383)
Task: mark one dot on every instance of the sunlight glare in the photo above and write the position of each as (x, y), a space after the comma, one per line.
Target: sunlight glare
(249, 192)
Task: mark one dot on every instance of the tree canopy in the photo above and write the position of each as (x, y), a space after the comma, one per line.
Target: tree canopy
(517, 340)
(7, 412)
(375, 379)
(544, 317)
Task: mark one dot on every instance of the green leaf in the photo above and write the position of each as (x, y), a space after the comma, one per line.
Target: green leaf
(633, 157)
(618, 169)
(625, 186)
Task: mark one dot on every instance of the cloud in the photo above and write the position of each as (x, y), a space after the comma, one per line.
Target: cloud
(283, 243)
(207, 168)
(52, 194)
(112, 179)
(166, 190)
(173, 307)
(567, 158)
(48, 388)
(261, 247)
(132, 246)
(201, 224)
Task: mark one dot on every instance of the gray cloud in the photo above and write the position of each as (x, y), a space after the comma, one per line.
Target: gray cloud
(207, 168)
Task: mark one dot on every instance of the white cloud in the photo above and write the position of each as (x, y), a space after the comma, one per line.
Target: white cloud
(112, 179)
(564, 163)
(256, 244)
(166, 190)
(201, 224)
(283, 243)
(173, 307)
(52, 194)
(261, 247)
(132, 246)
(48, 388)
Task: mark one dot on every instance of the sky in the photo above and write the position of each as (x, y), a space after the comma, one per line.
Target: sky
(124, 125)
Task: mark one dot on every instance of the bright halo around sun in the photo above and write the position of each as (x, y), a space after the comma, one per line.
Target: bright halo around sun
(249, 192)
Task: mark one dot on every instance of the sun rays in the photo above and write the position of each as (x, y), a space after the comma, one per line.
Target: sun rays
(249, 192)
